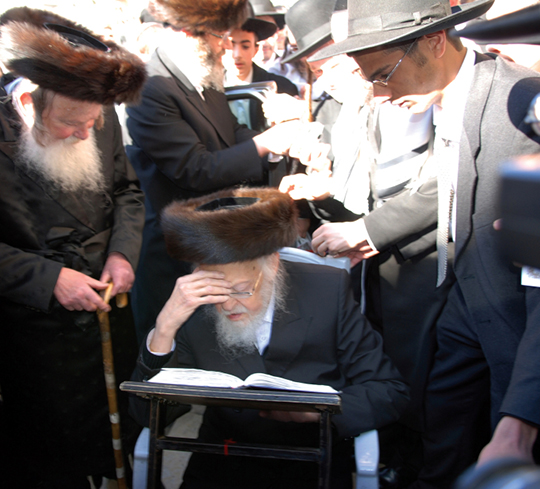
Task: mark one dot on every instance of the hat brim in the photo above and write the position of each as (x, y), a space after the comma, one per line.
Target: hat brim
(306, 51)
(262, 28)
(520, 27)
(363, 42)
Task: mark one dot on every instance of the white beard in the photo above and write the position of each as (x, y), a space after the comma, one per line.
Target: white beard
(236, 338)
(196, 60)
(70, 165)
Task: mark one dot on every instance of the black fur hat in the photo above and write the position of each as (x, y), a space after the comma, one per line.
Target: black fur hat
(229, 226)
(62, 56)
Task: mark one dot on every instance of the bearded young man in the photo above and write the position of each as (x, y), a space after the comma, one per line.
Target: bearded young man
(72, 218)
(243, 311)
(186, 141)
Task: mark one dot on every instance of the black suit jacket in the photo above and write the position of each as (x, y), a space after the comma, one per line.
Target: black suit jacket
(182, 147)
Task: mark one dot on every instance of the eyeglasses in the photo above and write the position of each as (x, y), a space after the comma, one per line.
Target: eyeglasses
(245, 295)
(384, 83)
(223, 37)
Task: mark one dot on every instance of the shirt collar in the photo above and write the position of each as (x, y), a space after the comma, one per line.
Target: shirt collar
(448, 117)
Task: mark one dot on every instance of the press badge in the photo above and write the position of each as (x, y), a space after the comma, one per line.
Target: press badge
(530, 277)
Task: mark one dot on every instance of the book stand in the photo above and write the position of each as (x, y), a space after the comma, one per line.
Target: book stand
(160, 394)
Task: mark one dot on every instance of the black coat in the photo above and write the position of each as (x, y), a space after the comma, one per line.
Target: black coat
(51, 367)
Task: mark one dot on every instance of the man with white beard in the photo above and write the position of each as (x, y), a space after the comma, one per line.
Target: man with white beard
(72, 218)
(185, 140)
(243, 311)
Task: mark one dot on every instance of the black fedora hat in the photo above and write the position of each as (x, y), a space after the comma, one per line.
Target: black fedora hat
(310, 24)
(373, 23)
(520, 27)
(262, 29)
(266, 8)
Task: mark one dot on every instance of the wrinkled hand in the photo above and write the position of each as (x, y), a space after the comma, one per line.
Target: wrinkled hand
(280, 107)
(190, 291)
(119, 271)
(342, 239)
(512, 438)
(311, 187)
(291, 416)
(77, 291)
(278, 139)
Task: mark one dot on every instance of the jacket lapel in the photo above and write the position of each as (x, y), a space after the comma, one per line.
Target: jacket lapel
(470, 146)
(220, 123)
(289, 331)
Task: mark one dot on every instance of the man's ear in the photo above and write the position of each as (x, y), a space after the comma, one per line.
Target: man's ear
(27, 105)
(437, 43)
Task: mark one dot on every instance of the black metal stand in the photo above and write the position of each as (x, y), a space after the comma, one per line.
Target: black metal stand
(325, 404)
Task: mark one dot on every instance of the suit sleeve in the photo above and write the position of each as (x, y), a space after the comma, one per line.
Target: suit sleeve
(403, 216)
(182, 143)
(128, 198)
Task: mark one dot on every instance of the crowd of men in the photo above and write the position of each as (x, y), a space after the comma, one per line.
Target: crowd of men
(380, 140)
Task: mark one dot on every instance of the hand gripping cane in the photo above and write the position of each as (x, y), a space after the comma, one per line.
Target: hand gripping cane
(110, 382)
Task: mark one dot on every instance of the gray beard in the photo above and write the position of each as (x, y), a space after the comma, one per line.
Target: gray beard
(69, 165)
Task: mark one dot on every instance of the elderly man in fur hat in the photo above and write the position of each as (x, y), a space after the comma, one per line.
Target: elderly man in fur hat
(243, 311)
(186, 141)
(488, 334)
(72, 218)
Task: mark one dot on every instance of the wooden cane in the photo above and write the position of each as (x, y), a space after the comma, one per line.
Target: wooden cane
(110, 382)
(308, 95)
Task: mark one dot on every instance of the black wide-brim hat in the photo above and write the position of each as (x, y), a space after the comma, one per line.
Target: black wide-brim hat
(374, 23)
(520, 27)
(262, 28)
(309, 22)
(230, 226)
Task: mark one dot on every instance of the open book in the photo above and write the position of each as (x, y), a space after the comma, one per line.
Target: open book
(209, 378)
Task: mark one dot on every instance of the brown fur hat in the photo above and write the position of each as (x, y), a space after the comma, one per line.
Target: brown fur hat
(80, 72)
(200, 15)
(227, 229)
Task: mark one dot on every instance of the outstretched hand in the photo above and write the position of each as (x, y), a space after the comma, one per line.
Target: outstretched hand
(342, 239)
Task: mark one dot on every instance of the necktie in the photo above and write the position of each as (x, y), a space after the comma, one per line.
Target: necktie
(445, 201)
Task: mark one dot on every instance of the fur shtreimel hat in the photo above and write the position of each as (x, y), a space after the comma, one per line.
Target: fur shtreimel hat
(229, 226)
(62, 56)
(214, 15)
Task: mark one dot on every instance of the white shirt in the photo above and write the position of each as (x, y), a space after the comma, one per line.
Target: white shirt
(448, 120)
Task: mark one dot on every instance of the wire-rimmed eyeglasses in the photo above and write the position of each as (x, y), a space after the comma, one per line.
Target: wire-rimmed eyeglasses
(223, 37)
(245, 295)
(384, 83)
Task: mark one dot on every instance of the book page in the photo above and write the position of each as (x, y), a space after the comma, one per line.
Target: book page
(196, 377)
(267, 381)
